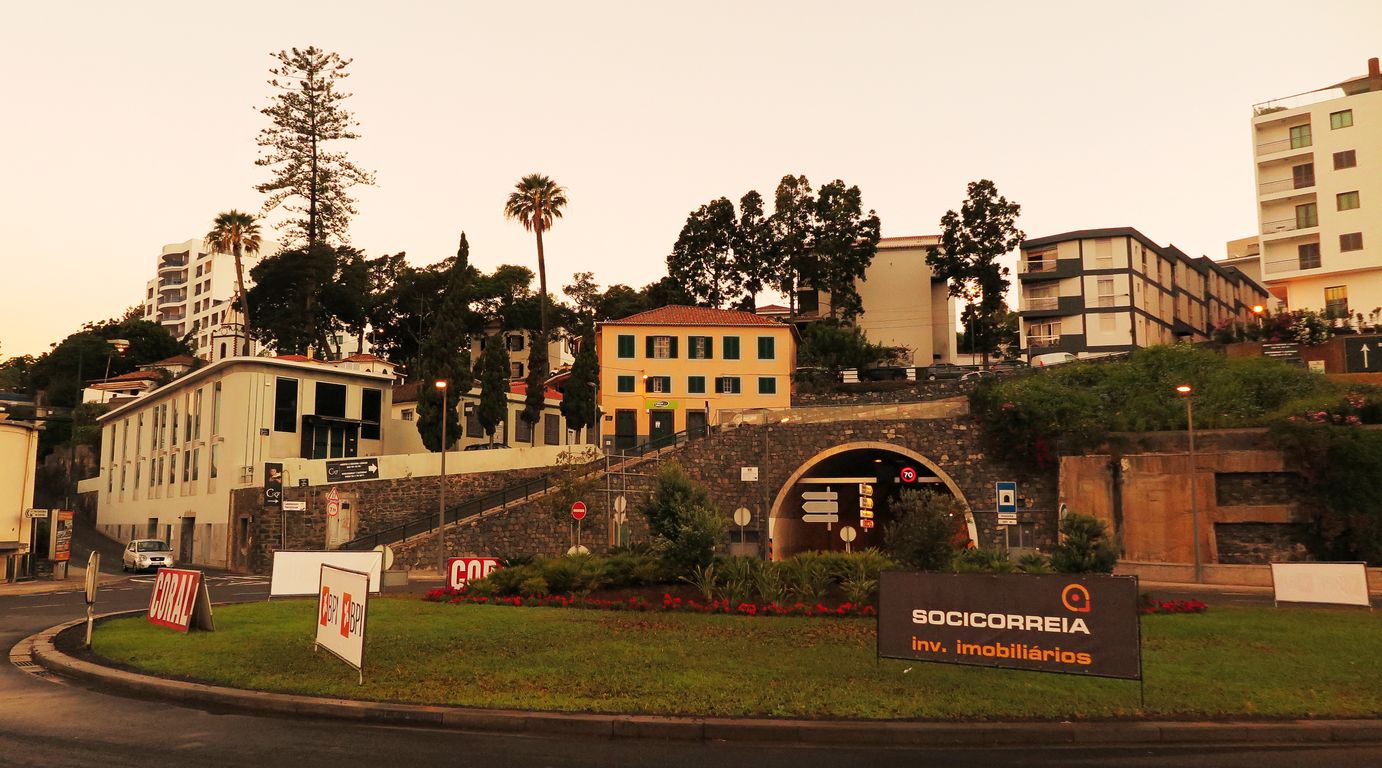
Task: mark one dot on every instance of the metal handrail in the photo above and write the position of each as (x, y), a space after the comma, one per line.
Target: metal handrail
(1281, 185)
(516, 492)
(1280, 145)
(1286, 225)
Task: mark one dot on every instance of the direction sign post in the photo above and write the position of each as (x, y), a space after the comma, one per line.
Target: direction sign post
(742, 517)
(847, 535)
(1362, 354)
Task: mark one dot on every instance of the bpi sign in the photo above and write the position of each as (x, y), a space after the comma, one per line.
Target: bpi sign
(341, 611)
(460, 571)
(180, 601)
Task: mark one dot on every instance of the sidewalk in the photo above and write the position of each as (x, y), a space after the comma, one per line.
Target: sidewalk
(75, 581)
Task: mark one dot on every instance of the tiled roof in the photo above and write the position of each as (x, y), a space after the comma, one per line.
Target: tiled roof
(405, 393)
(177, 360)
(364, 359)
(677, 314)
(135, 376)
(521, 388)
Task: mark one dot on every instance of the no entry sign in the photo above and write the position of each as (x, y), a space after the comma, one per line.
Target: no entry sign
(578, 510)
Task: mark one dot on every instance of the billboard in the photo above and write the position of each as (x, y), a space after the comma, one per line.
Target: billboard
(346, 470)
(341, 609)
(462, 570)
(1337, 583)
(297, 572)
(273, 483)
(62, 536)
(180, 601)
(1072, 624)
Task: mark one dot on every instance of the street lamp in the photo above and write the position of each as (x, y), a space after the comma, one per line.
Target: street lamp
(1258, 311)
(1187, 392)
(441, 493)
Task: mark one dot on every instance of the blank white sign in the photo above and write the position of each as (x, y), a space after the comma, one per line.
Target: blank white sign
(1336, 583)
(299, 573)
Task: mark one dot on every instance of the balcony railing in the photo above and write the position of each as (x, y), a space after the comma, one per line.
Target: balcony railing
(1284, 185)
(1048, 340)
(1039, 265)
(171, 282)
(1286, 225)
(1039, 304)
(1296, 101)
(1281, 145)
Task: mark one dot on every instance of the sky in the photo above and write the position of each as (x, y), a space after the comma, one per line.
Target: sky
(130, 125)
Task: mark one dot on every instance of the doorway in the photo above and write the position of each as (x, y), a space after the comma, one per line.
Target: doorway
(185, 537)
(625, 429)
(696, 422)
(661, 427)
(340, 527)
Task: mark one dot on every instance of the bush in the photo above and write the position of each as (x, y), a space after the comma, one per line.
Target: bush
(1034, 562)
(980, 560)
(630, 568)
(693, 541)
(772, 584)
(685, 524)
(738, 579)
(1084, 546)
(1342, 467)
(807, 577)
(921, 535)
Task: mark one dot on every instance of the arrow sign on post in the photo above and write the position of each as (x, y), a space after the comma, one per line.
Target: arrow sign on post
(820, 507)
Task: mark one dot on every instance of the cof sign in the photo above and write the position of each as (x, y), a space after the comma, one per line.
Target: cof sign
(180, 601)
(1074, 625)
(578, 510)
(273, 483)
(342, 606)
(460, 571)
(346, 470)
(36, 514)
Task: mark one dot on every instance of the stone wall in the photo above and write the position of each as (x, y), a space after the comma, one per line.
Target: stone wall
(1243, 489)
(878, 392)
(1255, 543)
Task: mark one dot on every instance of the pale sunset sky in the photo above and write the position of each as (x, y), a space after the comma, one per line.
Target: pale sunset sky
(130, 125)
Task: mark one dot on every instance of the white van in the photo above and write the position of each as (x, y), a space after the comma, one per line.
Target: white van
(1052, 358)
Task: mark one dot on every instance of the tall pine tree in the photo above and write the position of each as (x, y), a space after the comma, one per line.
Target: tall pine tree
(445, 356)
(578, 397)
(493, 408)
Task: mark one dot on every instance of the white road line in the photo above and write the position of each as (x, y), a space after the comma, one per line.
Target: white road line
(46, 605)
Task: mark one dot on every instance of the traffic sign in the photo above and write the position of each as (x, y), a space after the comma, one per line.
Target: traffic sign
(333, 503)
(820, 507)
(866, 503)
(866, 490)
(620, 503)
(1007, 518)
(742, 516)
(866, 524)
(1363, 354)
(578, 510)
(909, 474)
(848, 534)
(620, 518)
(1007, 496)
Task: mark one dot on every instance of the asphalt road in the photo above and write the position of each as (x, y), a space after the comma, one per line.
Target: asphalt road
(53, 724)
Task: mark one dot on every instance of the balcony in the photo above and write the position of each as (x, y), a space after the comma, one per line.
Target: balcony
(1285, 185)
(171, 283)
(1050, 306)
(166, 299)
(1040, 342)
(1283, 145)
(1047, 269)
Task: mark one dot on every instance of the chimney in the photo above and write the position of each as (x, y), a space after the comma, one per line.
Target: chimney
(1373, 70)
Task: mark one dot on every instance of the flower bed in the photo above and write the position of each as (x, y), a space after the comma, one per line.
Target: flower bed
(668, 604)
(1173, 606)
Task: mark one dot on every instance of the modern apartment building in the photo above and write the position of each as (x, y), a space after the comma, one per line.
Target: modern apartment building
(677, 368)
(1318, 162)
(1099, 291)
(905, 305)
(193, 295)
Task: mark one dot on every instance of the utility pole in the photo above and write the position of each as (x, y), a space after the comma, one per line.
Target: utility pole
(441, 492)
(1187, 391)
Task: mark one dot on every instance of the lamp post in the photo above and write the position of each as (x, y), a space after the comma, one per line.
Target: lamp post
(1257, 311)
(441, 492)
(1187, 392)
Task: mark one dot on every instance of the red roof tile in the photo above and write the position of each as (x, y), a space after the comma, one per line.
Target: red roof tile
(676, 314)
(177, 360)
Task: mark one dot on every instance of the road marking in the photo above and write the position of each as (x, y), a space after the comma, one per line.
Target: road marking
(46, 605)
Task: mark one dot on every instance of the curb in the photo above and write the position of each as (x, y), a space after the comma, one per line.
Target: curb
(664, 728)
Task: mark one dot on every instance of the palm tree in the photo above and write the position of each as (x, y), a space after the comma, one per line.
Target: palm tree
(536, 202)
(236, 233)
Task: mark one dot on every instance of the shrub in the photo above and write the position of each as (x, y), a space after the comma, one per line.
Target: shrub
(693, 541)
(684, 522)
(1034, 562)
(922, 532)
(738, 579)
(703, 578)
(980, 560)
(1084, 546)
(772, 584)
(858, 586)
(533, 585)
(807, 577)
(1342, 467)
(633, 569)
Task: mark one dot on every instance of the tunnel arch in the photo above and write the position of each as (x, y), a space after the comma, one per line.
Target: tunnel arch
(776, 510)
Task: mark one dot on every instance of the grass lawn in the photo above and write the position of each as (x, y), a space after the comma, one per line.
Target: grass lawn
(1287, 662)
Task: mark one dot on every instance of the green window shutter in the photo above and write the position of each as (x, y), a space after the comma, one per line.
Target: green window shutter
(672, 347)
(766, 349)
(695, 385)
(767, 385)
(735, 385)
(625, 384)
(709, 347)
(731, 347)
(626, 345)
(649, 344)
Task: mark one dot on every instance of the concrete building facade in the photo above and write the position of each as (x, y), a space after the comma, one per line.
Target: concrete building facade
(193, 295)
(1317, 160)
(1100, 291)
(675, 368)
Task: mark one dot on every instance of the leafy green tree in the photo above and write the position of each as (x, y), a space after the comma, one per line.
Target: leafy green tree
(682, 519)
(445, 356)
(236, 233)
(1085, 546)
(55, 373)
(755, 252)
(832, 345)
(536, 203)
(618, 302)
(794, 227)
(845, 243)
(307, 116)
(493, 408)
(14, 373)
(290, 292)
(578, 396)
(922, 532)
(702, 259)
(972, 241)
(665, 292)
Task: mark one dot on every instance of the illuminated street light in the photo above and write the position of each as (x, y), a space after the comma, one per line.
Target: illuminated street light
(1187, 392)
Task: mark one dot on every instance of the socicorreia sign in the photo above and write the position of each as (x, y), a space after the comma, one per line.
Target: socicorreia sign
(1080, 625)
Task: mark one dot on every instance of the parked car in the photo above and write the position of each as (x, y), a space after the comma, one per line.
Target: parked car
(943, 371)
(1010, 364)
(882, 373)
(485, 447)
(976, 375)
(1052, 358)
(146, 554)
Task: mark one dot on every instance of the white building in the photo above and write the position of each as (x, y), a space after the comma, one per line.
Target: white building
(193, 294)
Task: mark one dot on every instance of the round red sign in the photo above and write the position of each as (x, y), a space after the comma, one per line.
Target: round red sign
(578, 510)
(909, 475)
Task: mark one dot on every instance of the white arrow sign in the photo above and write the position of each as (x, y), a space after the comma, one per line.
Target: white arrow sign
(820, 507)
(1365, 356)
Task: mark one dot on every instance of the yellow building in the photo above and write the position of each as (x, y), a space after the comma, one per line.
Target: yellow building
(677, 368)
(1318, 162)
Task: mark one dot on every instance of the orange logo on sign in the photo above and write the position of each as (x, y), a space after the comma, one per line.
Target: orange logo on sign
(1075, 598)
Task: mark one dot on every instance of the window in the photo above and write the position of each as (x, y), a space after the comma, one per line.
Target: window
(216, 408)
(522, 431)
(1300, 136)
(1303, 175)
(175, 423)
(551, 429)
(1341, 119)
(1336, 302)
(472, 421)
(662, 347)
(767, 348)
(1347, 200)
(172, 469)
(286, 405)
(1106, 322)
(1308, 255)
(514, 342)
(196, 415)
(1043, 334)
(1105, 291)
(699, 347)
(1351, 241)
(695, 385)
(727, 385)
(624, 384)
(515, 370)
(731, 348)
(186, 465)
(626, 345)
(371, 408)
(408, 414)
(1346, 159)
(1103, 251)
(331, 400)
(767, 385)
(1307, 215)
(211, 469)
(658, 384)
(196, 462)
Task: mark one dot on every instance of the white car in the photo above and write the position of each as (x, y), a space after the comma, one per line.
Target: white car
(143, 554)
(1052, 358)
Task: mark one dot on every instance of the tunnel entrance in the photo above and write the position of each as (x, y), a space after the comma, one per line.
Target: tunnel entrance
(855, 485)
